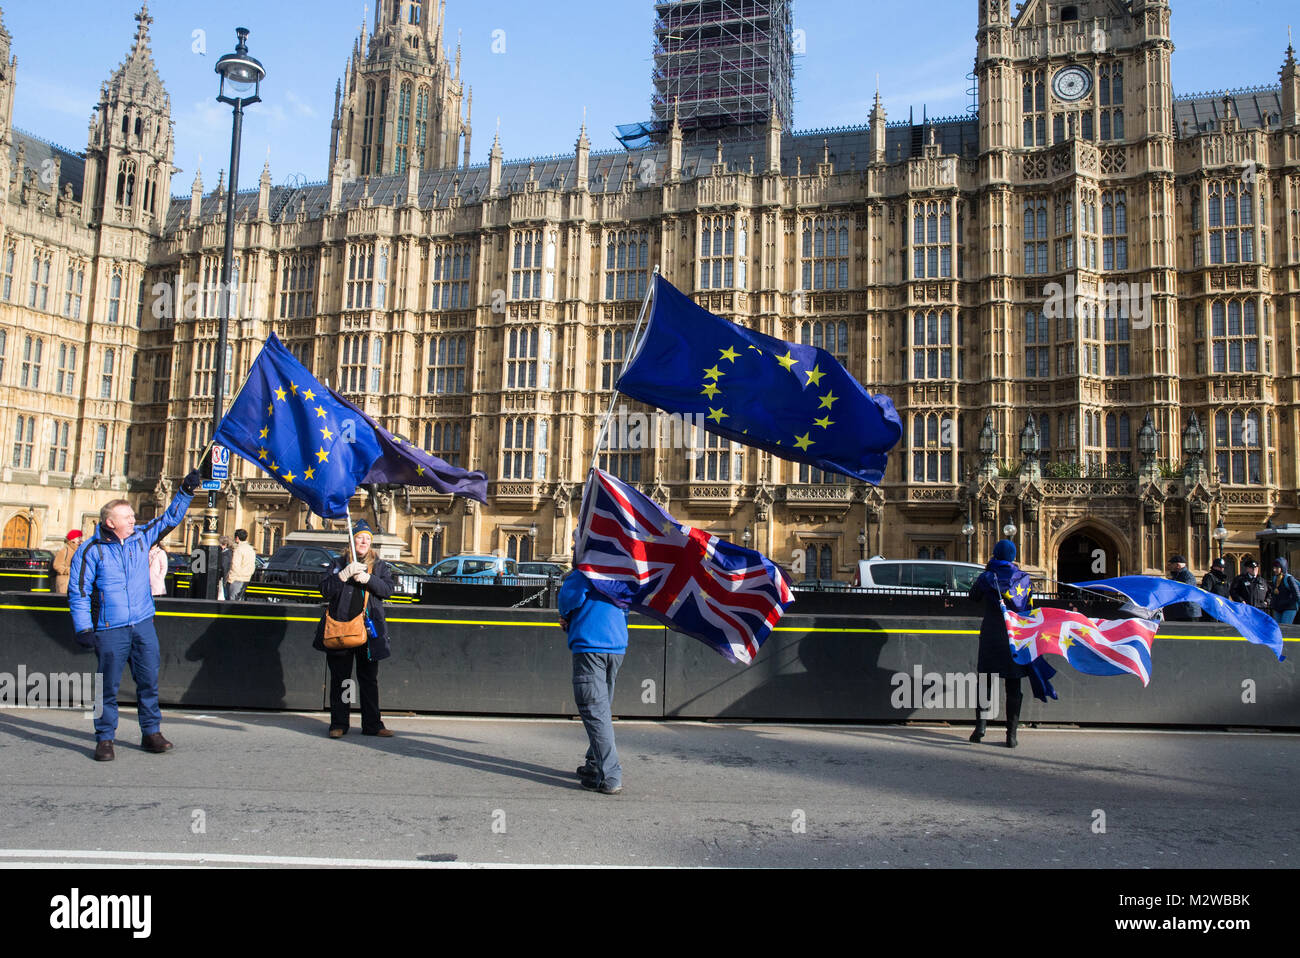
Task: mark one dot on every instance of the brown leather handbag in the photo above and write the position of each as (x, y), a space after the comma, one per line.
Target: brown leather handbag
(339, 636)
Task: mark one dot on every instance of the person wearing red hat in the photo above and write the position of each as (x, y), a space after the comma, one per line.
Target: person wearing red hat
(63, 561)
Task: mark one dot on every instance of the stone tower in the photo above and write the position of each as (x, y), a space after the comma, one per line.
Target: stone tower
(8, 65)
(400, 102)
(130, 146)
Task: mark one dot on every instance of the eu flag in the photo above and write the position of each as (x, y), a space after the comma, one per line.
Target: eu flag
(795, 401)
(405, 463)
(286, 422)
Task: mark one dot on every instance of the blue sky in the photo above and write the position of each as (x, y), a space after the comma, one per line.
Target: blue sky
(558, 59)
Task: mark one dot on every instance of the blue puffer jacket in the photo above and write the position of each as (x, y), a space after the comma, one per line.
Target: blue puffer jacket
(108, 584)
(595, 623)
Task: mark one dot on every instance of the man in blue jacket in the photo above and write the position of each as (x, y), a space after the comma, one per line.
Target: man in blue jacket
(597, 630)
(112, 610)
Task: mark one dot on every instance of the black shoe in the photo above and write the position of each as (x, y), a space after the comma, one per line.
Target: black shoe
(586, 771)
(606, 789)
(104, 751)
(382, 732)
(1012, 740)
(154, 742)
(591, 784)
(978, 734)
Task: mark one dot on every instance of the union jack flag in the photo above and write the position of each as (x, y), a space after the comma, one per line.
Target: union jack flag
(1092, 646)
(638, 555)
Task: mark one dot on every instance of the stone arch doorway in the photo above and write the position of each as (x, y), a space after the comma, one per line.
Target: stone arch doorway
(18, 533)
(1078, 554)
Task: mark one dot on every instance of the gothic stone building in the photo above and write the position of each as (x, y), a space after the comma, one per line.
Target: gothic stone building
(1083, 299)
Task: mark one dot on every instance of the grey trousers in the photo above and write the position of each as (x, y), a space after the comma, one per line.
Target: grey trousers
(593, 691)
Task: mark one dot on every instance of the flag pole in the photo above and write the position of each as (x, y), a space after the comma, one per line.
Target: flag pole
(627, 358)
(352, 545)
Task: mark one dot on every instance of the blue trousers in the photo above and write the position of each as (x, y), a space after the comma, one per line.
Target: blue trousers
(1285, 617)
(137, 646)
(593, 691)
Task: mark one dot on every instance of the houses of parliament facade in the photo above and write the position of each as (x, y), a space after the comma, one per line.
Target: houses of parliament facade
(1082, 296)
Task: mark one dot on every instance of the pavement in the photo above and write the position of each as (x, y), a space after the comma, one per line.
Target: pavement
(250, 788)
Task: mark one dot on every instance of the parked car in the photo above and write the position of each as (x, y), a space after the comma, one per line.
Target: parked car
(35, 560)
(477, 568)
(916, 575)
(407, 577)
(542, 570)
(178, 562)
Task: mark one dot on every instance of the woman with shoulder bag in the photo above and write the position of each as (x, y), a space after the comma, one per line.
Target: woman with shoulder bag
(353, 629)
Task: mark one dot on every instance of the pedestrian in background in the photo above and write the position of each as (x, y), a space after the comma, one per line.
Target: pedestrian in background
(597, 632)
(1284, 593)
(1216, 580)
(62, 564)
(1182, 611)
(223, 564)
(352, 588)
(111, 602)
(243, 563)
(1250, 587)
(158, 570)
(1001, 583)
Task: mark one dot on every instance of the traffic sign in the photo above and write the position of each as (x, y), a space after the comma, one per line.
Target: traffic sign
(220, 465)
(211, 485)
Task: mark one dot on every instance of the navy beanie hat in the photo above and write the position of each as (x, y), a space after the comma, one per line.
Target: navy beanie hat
(362, 526)
(1005, 550)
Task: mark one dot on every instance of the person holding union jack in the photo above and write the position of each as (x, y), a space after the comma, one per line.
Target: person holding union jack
(1003, 583)
(597, 631)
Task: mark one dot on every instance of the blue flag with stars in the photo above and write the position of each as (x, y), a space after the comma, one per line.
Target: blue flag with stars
(286, 422)
(797, 402)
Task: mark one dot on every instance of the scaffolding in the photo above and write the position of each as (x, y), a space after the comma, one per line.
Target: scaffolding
(724, 66)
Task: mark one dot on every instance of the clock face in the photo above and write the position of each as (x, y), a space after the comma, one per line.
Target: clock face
(1071, 83)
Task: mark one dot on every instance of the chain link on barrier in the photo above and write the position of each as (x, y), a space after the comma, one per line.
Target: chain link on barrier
(536, 595)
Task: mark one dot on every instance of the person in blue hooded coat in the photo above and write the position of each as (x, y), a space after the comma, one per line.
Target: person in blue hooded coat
(1001, 579)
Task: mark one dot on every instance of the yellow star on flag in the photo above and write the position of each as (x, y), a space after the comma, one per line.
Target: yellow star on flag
(293, 388)
(710, 390)
(308, 395)
(280, 394)
(787, 360)
(274, 467)
(289, 477)
(269, 409)
(419, 470)
(729, 354)
(262, 434)
(803, 442)
(322, 455)
(713, 373)
(1007, 593)
(1067, 642)
(717, 415)
(309, 473)
(824, 422)
(320, 412)
(814, 376)
(1020, 590)
(756, 349)
(325, 431)
(828, 400)
(261, 454)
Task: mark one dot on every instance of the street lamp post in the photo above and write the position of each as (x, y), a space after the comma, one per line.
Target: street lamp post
(241, 79)
(968, 530)
(437, 541)
(1220, 535)
(532, 541)
(1009, 531)
(862, 544)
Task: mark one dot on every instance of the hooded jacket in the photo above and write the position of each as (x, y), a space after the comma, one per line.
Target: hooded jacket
(1285, 590)
(596, 624)
(108, 583)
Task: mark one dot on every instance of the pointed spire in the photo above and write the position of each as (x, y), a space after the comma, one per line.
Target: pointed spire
(221, 182)
(458, 54)
(142, 20)
(265, 181)
(494, 162)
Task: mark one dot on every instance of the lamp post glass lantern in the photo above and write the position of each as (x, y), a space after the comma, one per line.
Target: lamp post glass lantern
(862, 544)
(240, 85)
(1220, 535)
(967, 530)
(1148, 440)
(1009, 530)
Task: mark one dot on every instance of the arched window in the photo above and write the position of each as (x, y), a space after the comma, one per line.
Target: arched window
(101, 449)
(1238, 447)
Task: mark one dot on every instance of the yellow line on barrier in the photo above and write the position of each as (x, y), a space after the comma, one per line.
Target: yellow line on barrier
(556, 625)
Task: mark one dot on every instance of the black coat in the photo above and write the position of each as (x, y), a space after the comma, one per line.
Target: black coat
(1183, 611)
(1253, 590)
(998, 579)
(344, 600)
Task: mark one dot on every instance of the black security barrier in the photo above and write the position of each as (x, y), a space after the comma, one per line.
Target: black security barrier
(515, 661)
